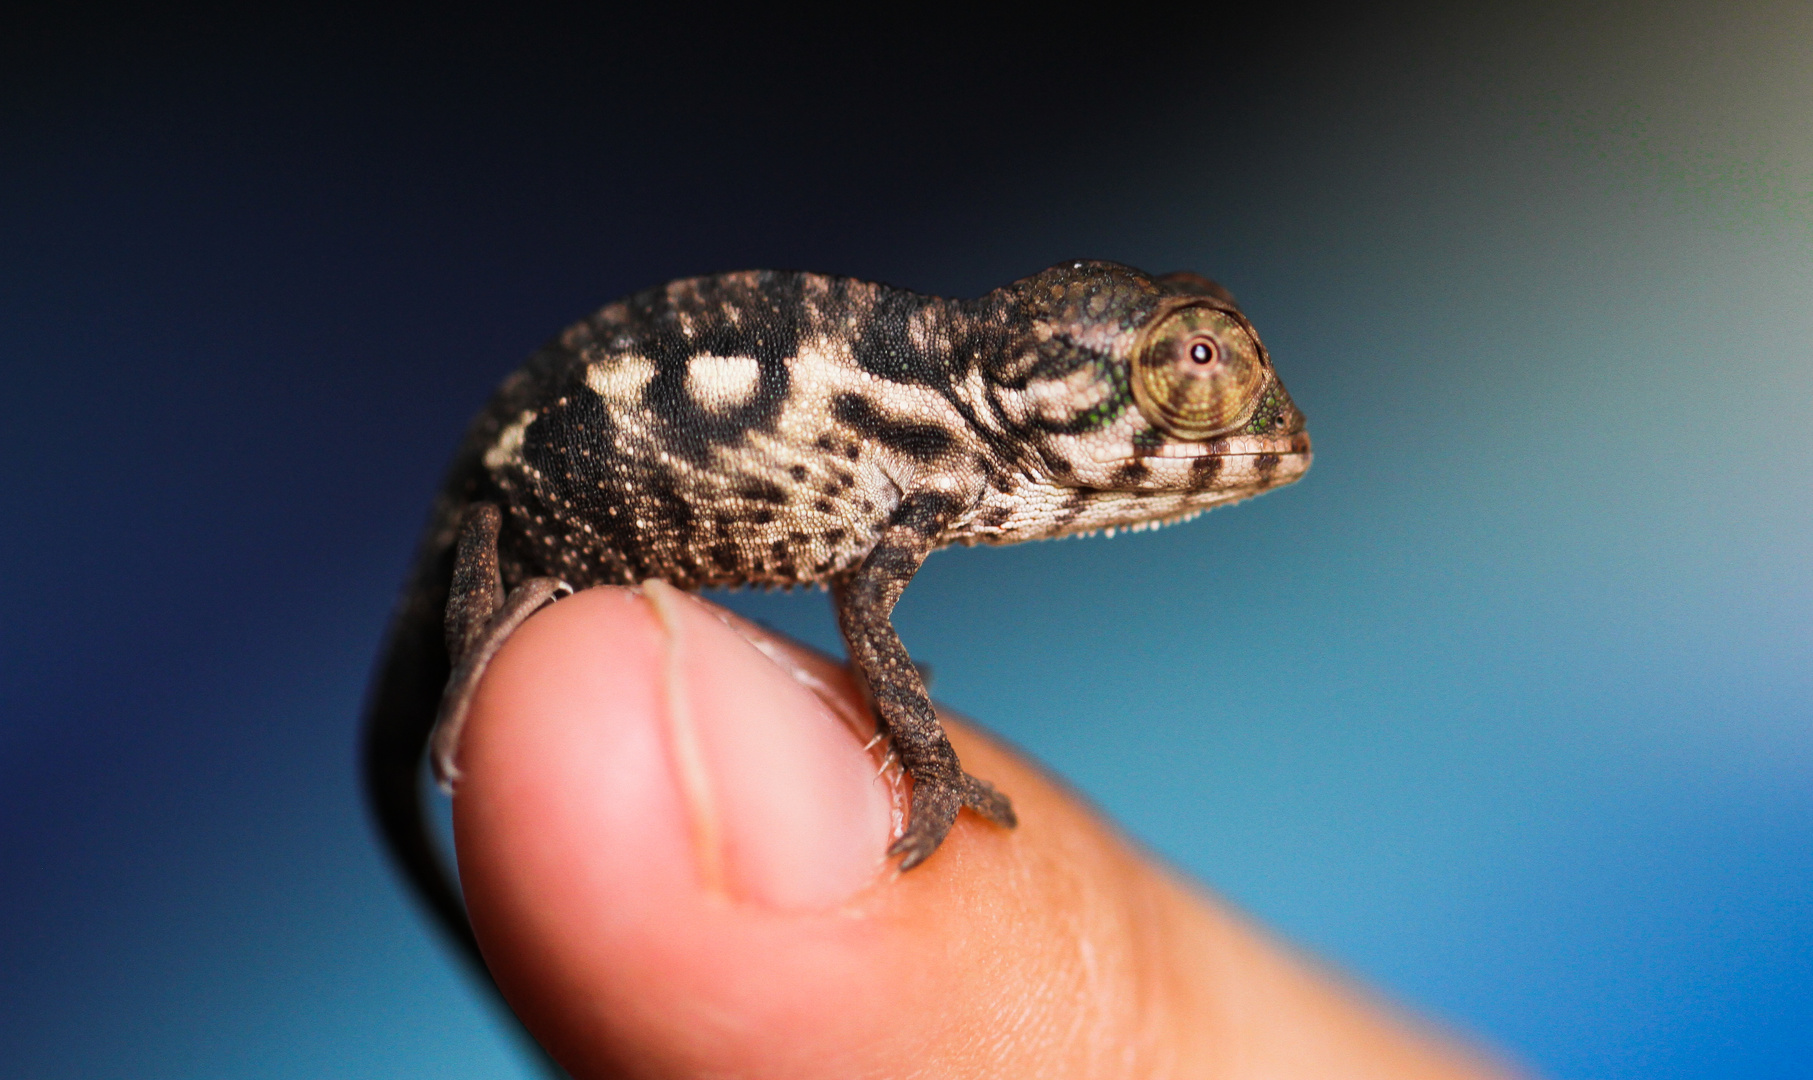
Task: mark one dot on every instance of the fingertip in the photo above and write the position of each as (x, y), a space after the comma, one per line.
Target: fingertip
(673, 858)
(670, 849)
(658, 829)
(569, 831)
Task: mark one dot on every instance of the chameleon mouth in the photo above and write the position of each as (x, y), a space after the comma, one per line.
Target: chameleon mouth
(1296, 445)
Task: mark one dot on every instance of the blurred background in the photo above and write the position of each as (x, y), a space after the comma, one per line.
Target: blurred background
(1507, 709)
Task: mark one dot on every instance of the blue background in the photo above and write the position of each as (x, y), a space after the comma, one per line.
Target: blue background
(1507, 708)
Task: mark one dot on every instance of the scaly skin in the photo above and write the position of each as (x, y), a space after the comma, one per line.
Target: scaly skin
(786, 428)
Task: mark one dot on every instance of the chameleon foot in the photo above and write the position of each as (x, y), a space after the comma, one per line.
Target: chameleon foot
(480, 618)
(936, 801)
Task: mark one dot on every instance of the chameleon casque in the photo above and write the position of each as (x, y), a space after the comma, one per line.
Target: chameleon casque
(781, 428)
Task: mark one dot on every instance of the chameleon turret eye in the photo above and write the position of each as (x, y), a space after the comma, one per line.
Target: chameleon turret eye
(1197, 373)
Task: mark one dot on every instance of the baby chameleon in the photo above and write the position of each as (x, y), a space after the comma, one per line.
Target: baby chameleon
(787, 428)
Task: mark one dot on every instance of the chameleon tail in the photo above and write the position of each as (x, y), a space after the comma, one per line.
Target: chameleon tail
(398, 720)
(399, 717)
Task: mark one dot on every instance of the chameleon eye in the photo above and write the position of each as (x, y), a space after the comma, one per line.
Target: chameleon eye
(1197, 373)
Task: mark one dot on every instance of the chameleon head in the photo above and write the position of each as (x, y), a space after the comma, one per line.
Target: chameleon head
(1150, 399)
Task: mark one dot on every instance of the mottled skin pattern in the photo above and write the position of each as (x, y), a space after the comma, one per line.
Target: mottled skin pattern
(788, 428)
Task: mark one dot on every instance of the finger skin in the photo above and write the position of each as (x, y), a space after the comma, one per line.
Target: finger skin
(1055, 949)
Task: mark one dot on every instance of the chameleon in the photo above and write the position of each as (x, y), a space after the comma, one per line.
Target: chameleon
(784, 428)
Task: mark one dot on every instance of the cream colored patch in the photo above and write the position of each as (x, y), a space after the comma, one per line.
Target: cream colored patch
(1058, 400)
(721, 383)
(621, 379)
(974, 390)
(507, 450)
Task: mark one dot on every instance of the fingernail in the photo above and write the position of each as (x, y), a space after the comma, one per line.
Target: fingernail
(784, 802)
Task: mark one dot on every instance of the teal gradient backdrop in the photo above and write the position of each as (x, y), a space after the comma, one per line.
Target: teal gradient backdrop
(1507, 709)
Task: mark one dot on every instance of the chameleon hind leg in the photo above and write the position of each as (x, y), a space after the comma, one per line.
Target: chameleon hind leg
(865, 599)
(480, 618)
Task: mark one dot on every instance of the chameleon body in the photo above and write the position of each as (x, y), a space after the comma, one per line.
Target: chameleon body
(787, 428)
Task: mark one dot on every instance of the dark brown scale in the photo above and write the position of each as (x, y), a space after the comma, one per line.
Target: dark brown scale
(1132, 473)
(1204, 470)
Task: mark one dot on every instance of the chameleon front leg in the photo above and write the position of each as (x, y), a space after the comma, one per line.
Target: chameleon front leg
(480, 618)
(865, 599)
